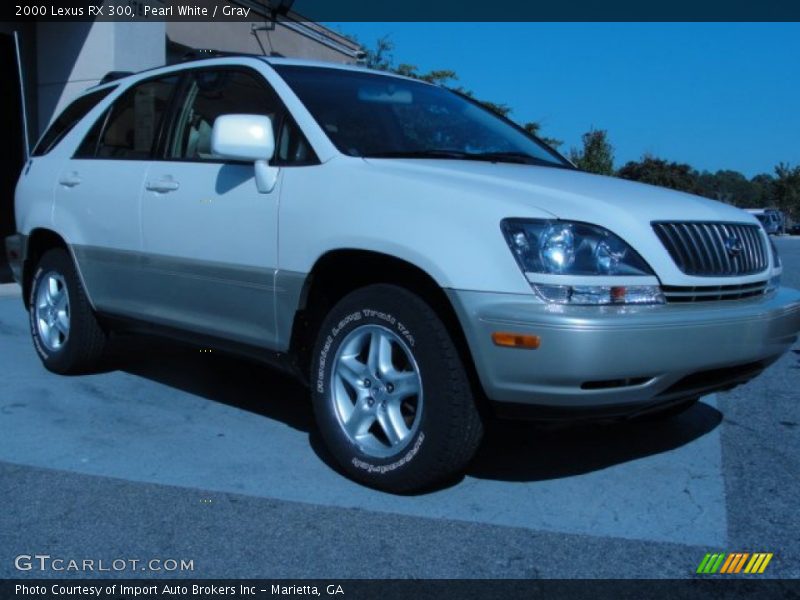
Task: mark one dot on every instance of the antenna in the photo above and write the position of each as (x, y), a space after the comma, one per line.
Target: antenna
(22, 98)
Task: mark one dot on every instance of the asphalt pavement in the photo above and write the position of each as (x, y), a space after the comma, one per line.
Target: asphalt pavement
(173, 453)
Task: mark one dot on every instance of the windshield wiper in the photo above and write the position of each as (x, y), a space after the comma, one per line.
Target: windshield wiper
(512, 157)
(509, 157)
(456, 154)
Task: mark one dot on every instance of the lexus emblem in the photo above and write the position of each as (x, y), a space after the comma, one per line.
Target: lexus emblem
(734, 246)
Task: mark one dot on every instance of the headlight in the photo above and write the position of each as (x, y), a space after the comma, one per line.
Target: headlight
(582, 251)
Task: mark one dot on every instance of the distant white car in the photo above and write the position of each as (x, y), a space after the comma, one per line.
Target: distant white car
(413, 257)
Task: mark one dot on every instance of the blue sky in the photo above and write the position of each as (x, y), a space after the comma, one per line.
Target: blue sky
(715, 95)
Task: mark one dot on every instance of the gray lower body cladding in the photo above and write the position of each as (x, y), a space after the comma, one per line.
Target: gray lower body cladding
(246, 304)
(607, 357)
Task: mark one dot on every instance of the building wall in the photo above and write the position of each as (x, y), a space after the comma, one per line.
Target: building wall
(287, 38)
(74, 56)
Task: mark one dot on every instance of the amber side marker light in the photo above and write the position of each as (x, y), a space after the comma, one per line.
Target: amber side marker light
(516, 340)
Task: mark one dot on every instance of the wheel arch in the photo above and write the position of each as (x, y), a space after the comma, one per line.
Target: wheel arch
(40, 240)
(339, 272)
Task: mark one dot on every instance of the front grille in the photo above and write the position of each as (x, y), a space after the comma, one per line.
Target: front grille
(708, 293)
(710, 249)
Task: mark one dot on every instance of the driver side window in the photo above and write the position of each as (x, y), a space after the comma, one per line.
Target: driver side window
(209, 94)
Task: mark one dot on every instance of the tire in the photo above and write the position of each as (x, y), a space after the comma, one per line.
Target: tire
(65, 331)
(400, 418)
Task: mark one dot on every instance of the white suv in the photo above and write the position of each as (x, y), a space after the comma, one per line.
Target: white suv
(413, 257)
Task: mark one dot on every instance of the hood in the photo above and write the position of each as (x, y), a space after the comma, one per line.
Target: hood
(474, 193)
(570, 194)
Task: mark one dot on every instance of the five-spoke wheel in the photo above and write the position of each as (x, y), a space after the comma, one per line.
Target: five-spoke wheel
(51, 310)
(392, 397)
(377, 391)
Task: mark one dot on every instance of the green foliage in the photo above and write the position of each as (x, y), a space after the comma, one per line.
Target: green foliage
(731, 187)
(597, 154)
(534, 128)
(786, 189)
(762, 191)
(657, 171)
(380, 57)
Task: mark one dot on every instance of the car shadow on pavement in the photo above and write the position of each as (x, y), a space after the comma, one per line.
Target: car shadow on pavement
(229, 380)
(519, 451)
(511, 450)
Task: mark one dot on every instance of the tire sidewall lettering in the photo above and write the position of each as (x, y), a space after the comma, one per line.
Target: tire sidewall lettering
(356, 317)
(388, 468)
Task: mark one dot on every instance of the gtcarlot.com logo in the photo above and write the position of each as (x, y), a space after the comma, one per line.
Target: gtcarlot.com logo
(45, 562)
(734, 562)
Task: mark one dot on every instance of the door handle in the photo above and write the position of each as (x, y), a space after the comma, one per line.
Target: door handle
(162, 185)
(70, 180)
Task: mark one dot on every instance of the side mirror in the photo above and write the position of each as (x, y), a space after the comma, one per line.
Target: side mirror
(247, 138)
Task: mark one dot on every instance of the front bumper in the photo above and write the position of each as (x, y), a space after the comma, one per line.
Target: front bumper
(16, 250)
(625, 357)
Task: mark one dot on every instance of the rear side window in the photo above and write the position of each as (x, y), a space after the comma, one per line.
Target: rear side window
(68, 118)
(128, 129)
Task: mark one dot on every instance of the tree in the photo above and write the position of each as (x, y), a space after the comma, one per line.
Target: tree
(380, 57)
(534, 127)
(786, 189)
(657, 171)
(597, 155)
(727, 186)
(763, 186)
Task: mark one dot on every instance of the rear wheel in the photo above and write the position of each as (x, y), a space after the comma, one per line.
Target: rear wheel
(65, 332)
(392, 398)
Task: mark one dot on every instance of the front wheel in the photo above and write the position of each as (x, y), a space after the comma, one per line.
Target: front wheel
(391, 395)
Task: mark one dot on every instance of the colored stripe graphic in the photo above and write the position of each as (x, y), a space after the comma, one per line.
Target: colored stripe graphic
(765, 563)
(701, 567)
(729, 563)
(734, 562)
(714, 563)
(741, 562)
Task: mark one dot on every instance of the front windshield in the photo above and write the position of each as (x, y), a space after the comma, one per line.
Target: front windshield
(372, 115)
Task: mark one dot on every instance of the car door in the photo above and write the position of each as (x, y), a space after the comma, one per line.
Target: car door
(209, 236)
(98, 193)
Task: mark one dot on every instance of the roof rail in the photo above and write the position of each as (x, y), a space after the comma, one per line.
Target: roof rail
(114, 75)
(201, 53)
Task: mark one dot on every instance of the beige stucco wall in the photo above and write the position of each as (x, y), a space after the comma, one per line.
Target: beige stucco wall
(243, 37)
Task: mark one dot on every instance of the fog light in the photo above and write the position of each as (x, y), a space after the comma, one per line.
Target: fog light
(516, 340)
